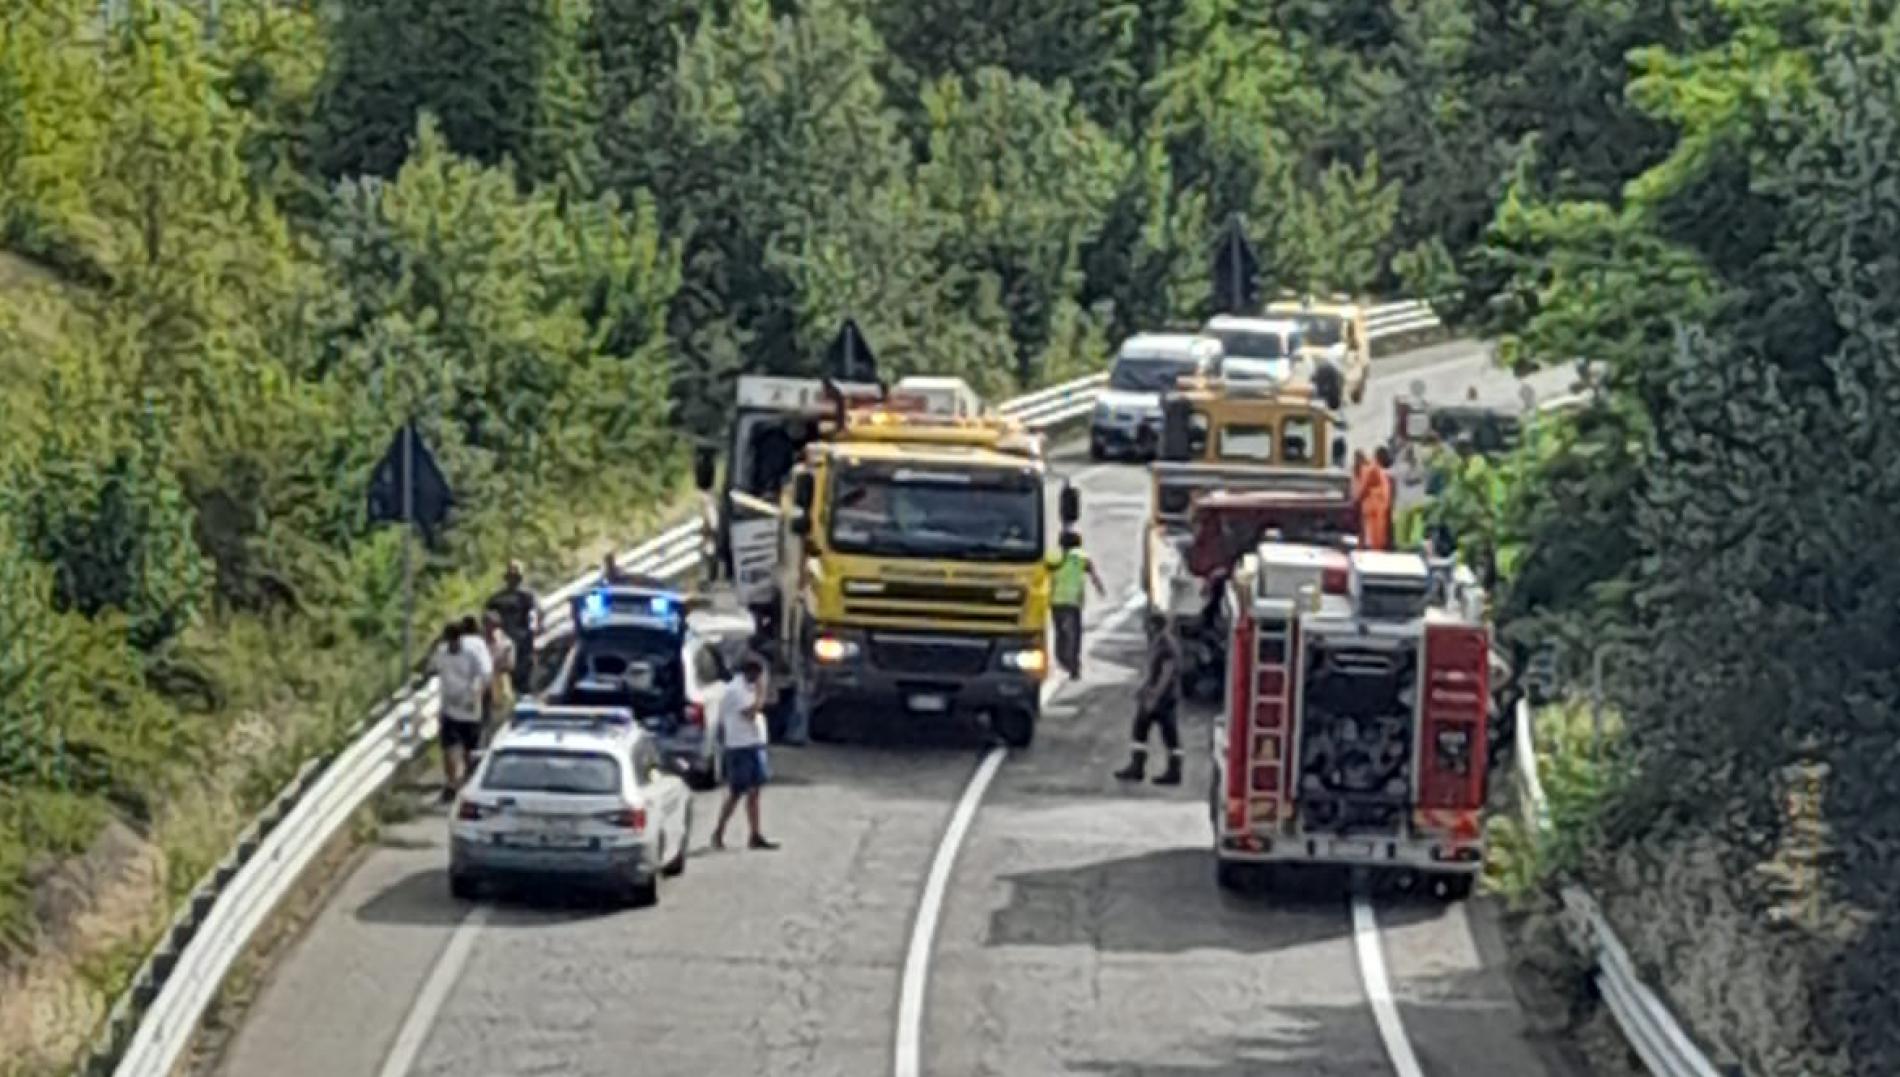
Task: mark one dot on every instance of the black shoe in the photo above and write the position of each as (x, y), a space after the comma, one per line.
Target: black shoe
(1172, 775)
(758, 842)
(1136, 768)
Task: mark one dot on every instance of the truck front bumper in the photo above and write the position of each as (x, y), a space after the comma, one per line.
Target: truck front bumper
(925, 675)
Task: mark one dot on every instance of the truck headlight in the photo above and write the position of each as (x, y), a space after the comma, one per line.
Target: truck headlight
(831, 650)
(1026, 660)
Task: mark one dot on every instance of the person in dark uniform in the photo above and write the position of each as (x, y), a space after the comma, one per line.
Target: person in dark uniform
(1156, 705)
(519, 611)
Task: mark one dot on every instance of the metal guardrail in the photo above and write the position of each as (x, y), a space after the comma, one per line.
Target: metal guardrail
(1647, 1023)
(1651, 1029)
(153, 1022)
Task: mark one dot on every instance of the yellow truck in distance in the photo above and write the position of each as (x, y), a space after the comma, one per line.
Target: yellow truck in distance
(913, 578)
(1332, 332)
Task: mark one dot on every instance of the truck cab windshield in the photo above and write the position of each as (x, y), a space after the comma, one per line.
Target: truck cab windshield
(924, 512)
(1323, 330)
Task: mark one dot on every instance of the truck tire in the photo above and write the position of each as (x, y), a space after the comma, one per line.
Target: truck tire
(1241, 877)
(1456, 886)
(1016, 725)
(1329, 385)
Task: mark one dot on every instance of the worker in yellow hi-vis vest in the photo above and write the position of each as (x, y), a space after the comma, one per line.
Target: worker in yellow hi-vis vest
(1073, 569)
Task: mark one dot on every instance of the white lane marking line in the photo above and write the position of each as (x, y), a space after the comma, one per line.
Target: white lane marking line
(1385, 1011)
(435, 992)
(910, 1005)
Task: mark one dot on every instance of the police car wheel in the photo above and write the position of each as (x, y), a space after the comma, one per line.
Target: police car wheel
(677, 866)
(641, 893)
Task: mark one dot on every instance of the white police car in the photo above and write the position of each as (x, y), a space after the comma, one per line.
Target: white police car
(575, 793)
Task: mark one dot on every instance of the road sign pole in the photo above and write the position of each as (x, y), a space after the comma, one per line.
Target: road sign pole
(408, 572)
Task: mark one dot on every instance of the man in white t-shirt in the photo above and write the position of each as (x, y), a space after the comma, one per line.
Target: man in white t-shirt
(742, 725)
(462, 667)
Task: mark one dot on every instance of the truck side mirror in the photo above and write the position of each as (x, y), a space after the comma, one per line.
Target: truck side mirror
(705, 463)
(800, 523)
(802, 491)
(1069, 505)
(1177, 412)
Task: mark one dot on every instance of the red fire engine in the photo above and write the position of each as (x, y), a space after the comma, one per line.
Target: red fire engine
(1354, 730)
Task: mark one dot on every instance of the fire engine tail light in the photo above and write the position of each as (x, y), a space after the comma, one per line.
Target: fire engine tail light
(1333, 580)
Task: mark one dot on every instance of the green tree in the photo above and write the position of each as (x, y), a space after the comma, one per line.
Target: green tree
(1023, 181)
(506, 78)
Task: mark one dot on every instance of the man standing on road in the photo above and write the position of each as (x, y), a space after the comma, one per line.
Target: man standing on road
(459, 668)
(1155, 705)
(742, 726)
(1073, 569)
(520, 619)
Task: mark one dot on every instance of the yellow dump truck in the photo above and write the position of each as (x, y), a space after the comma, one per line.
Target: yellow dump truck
(913, 580)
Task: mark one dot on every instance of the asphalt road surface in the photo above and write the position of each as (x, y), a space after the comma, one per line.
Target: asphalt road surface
(1074, 929)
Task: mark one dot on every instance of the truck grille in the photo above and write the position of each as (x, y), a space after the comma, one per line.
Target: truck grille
(978, 605)
(936, 655)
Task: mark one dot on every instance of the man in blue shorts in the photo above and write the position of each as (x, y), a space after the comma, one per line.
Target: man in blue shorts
(742, 725)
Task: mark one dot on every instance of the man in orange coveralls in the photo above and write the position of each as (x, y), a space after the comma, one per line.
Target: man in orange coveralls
(1372, 491)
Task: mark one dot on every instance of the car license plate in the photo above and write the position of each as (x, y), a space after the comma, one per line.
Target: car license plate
(928, 703)
(1356, 850)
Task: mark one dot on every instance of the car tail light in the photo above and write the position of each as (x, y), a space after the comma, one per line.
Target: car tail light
(695, 714)
(469, 810)
(627, 818)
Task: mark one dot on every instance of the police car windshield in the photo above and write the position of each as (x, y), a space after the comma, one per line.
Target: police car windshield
(1148, 374)
(519, 770)
(925, 512)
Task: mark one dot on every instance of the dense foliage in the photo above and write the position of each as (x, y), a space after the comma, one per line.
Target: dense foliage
(234, 257)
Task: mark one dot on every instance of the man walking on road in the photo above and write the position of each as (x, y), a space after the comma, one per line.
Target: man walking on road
(1156, 704)
(742, 725)
(519, 610)
(1073, 569)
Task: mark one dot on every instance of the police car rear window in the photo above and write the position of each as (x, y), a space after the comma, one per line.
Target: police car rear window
(516, 770)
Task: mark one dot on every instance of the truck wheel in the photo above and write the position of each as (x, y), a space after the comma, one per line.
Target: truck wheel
(463, 886)
(1097, 451)
(1016, 725)
(1456, 887)
(1243, 878)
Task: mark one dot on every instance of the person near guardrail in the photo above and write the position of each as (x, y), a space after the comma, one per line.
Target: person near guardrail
(520, 619)
(462, 668)
(500, 697)
(1073, 569)
(742, 728)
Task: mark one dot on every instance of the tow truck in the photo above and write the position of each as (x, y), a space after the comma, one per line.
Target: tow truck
(1332, 334)
(914, 575)
(1234, 452)
(775, 418)
(1354, 729)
